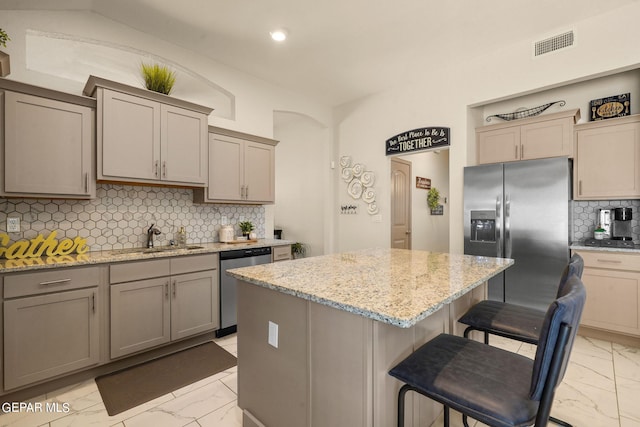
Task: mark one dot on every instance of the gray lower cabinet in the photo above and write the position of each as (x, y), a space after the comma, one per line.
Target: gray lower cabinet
(54, 330)
(153, 311)
(140, 316)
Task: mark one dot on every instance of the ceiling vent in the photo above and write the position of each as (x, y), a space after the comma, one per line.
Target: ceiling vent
(554, 43)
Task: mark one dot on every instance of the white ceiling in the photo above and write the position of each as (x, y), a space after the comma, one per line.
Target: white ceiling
(339, 50)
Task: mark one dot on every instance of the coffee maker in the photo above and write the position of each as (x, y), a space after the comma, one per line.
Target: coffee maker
(621, 224)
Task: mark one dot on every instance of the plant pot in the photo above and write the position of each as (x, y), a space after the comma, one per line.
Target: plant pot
(5, 67)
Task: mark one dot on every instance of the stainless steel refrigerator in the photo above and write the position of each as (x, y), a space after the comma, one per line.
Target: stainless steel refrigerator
(520, 210)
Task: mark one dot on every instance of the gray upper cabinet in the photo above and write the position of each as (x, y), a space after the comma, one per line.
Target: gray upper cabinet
(147, 137)
(46, 147)
(241, 169)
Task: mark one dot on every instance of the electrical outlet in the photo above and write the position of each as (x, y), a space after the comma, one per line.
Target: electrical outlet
(13, 225)
(273, 334)
(224, 220)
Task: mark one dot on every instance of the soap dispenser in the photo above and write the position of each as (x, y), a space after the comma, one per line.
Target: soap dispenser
(182, 237)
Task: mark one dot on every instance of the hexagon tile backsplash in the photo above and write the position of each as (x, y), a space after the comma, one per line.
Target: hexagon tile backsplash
(120, 215)
(585, 216)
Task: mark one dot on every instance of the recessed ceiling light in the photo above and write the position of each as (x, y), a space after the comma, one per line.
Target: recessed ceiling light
(279, 35)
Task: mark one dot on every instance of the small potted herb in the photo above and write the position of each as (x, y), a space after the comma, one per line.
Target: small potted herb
(298, 250)
(158, 78)
(246, 227)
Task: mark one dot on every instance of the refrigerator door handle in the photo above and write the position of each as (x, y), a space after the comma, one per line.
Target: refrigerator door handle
(507, 226)
(499, 226)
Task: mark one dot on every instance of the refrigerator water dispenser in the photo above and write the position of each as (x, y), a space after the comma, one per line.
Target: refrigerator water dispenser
(483, 226)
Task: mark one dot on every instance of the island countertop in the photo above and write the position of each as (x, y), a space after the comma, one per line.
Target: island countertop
(395, 286)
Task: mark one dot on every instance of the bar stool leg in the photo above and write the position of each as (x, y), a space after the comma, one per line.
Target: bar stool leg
(559, 422)
(403, 390)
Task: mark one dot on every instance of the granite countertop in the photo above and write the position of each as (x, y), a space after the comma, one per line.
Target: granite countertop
(579, 246)
(128, 254)
(395, 286)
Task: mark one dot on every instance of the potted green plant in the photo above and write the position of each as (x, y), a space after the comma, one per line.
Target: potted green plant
(5, 66)
(246, 227)
(433, 198)
(298, 250)
(158, 78)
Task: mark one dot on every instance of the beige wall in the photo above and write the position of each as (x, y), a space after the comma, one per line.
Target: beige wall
(445, 96)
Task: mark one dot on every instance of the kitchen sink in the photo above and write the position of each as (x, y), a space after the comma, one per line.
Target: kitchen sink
(153, 250)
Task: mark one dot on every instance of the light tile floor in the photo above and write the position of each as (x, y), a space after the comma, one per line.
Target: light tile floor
(601, 388)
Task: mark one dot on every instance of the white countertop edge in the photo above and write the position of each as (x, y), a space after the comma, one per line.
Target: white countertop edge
(579, 247)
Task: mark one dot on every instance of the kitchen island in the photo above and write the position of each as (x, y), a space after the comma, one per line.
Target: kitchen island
(317, 336)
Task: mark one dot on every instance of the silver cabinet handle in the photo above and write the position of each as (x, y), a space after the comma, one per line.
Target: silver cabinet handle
(610, 261)
(164, 169)
(55, 282)
(580, 187)
(516, 153)
(93, 302)
(166, 289)
(86, 182)
(246, 192)
(174, 288)
(155, 168)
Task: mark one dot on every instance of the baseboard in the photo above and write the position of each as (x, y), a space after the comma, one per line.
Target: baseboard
(617, 338)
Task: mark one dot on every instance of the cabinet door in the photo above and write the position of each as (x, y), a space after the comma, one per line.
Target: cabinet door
(552, 138)
(47, 147)
(500, 145)
(130, 146)
(259, 172)
(608, 162)
(194, 303)
(613, 300)
(140, 316)
(184, 145)
(226, 170)
(49, 335)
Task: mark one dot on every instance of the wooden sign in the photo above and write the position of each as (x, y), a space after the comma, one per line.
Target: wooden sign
(613, 106)
(424, 183)
(429, 138)
(41, 246)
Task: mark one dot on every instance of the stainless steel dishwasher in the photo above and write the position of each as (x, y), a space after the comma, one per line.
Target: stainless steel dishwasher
(228, 294)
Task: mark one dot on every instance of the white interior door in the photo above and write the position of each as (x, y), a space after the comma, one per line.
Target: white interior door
(400, 204)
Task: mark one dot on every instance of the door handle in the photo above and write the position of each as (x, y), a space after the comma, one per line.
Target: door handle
(507, 225)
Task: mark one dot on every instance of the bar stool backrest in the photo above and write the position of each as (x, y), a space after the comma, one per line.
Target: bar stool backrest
(567, 309)
(575, 266)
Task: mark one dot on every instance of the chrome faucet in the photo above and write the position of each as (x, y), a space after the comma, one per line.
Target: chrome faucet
(150, 232)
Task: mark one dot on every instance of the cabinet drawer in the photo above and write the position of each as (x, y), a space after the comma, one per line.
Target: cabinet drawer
(611, 260)
(61, 279)
(281, 253)
(188, 264)
(127, 272)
